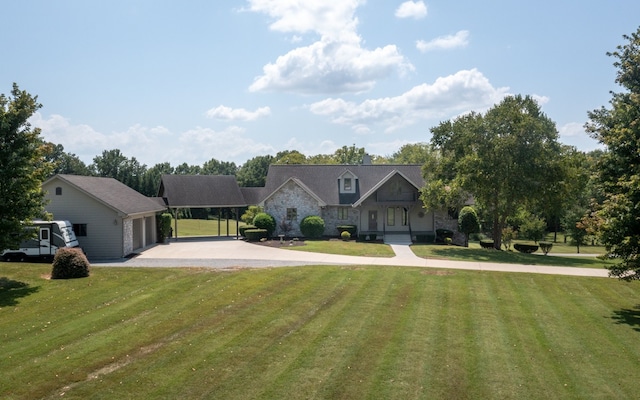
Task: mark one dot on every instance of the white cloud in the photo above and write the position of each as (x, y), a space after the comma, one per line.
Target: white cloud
(462, 92)
(152, 145)
(412, 9)
(460, 39)
(335, 63)
(237, 114)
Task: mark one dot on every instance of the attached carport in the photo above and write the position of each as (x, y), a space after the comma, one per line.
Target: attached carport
(202, 191)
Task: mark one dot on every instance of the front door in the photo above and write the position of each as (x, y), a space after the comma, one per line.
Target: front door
(373, 220)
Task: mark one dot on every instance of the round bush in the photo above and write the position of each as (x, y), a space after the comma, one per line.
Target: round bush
(345, 235)
(352, 229)
(70, 263)
(546, 247)
(312, 226)
(526, 248)
(265, 221)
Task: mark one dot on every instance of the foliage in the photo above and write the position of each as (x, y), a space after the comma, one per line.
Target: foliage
(345, 235)
(23, 166)
(507, 158)
(66, 163)
(546, 247)
(618, 170)
(533, 228)
(253, 173)
(443, 234)
(254, 235)
(244, 228)
(575, 228)
(412, 153)
(349, 155)
(468, 222)
(215, 167)
(426, 237)
(508, 236)
(526, 248)
(250, 214)
(164, 226)
(312, 226)
(265, 221)
(69, 263)
(290, 157)
(352, 229)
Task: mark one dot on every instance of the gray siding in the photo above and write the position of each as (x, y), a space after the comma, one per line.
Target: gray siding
(104, 227)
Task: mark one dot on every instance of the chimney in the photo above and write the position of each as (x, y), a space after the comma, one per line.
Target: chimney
(366, 159)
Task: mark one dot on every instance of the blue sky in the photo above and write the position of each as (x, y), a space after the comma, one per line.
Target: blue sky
(199, 79)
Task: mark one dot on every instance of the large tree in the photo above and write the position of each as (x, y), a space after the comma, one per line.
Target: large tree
(23, 166)
(618, 128)
(506, 159)
(253, 173)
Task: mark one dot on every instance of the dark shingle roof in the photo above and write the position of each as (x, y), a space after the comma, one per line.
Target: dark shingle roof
(323, 179)
(113, 194)
(199, 191)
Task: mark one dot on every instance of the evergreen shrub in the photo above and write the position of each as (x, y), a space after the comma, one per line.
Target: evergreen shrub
(244, 228)
(526, 248)
(69, 263)
(486, 243)
(312, 226)
(255, 235)
(265, 221)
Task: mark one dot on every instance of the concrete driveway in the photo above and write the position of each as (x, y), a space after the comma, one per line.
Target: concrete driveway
(231, 253)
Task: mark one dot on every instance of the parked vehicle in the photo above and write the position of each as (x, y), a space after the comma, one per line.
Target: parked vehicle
(47, 238)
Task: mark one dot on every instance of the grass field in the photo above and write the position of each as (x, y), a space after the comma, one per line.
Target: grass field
(203, 227)
(316, 332)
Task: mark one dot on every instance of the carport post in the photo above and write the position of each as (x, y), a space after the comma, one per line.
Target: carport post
(237, 223)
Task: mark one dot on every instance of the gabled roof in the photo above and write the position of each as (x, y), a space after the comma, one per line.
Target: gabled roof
(300, 184)
(323, 179)
(111, 193)
(382, 182)
(200, 191)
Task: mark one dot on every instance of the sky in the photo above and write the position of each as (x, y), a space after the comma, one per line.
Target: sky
(188, 81)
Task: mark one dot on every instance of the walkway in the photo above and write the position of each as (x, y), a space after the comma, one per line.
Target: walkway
(230, 253)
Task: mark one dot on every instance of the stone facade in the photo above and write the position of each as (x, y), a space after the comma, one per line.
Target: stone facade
(291, 196)
(127, 236)
(444, 221)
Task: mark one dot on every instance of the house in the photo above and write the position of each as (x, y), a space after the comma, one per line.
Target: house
(379, 199)
(110, 219)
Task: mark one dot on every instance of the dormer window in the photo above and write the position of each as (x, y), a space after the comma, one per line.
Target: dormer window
(347, 184)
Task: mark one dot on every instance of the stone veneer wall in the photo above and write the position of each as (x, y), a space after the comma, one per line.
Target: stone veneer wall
(127, 237)
(331, 221)
(444, 221)
(291, 196)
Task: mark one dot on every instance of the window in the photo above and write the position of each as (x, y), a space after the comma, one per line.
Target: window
(405, 217)
(44, 234)
(347, 183)
(343, 213)
(58, 191)
(80, 229)
(391, 216)
(292, 213)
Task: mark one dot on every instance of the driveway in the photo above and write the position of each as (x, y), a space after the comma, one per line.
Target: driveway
(225, 253)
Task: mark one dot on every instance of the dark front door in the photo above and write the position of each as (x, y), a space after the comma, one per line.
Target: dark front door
(373, 220)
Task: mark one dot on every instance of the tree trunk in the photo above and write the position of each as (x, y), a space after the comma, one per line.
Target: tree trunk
(497, 234)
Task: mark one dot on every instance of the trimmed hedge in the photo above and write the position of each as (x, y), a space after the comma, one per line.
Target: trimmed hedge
(254, 235)
(426, 238)
(312, 226)
(443, 234)
(526, 248)
(70, 263)
(487, 243)
(352, 229)
(243, 228)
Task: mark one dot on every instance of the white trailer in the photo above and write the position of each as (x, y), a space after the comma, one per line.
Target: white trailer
(47, 238)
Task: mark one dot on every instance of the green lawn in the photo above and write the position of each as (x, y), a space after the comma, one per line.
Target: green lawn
(348, 248)
(203, 227)
(316, 332)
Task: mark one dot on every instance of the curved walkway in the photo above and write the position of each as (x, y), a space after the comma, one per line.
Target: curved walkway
(232, 253)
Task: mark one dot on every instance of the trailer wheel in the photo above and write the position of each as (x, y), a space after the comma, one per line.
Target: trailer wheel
(22, 257)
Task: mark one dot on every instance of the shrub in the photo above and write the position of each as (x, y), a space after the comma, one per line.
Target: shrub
(526, 248)
(312, 226)
(426, 238)
(255, 235)
(546, 247)
(69, 263)
(250, 213)
(442, 234)
(345, 235)
(243, 228)
(164, 226)
(468, 223)
(508, 236)
(352, 229)
(265, 221)
(533, 228)
(486, 244)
